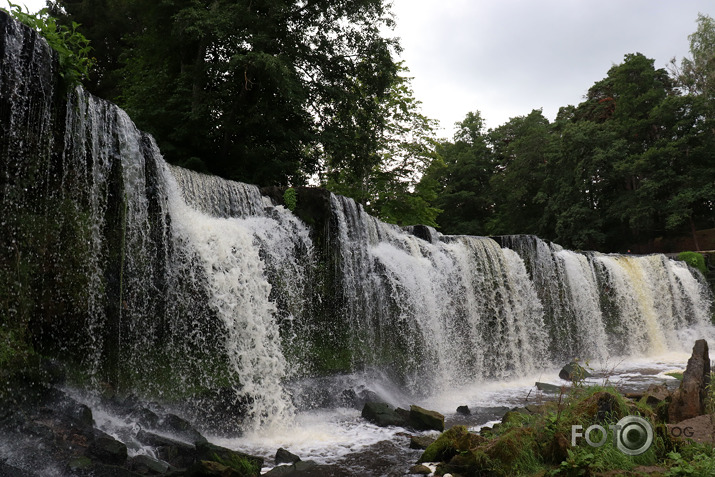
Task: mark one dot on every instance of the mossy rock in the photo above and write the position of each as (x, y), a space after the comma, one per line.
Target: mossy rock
(602, 406)
(244, 464)
(450, 443)
(425, 420)
(509, 445)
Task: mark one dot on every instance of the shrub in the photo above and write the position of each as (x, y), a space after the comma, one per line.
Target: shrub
(695, 260)
(290, 197)
(71, 46)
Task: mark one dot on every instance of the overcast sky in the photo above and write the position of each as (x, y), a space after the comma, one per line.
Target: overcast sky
(507, 57)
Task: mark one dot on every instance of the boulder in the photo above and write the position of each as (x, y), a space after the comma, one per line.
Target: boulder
(656, 393)
(421, 442)
(303, 467)
(574, 372)
(234, 459)
(177, 453)
(689, 399)
(456, 440)
(285, 457)
(464, 410)
(425, 420)
(548, 388)
(205, 468)
(145, 465)
(106, 449)
(699, 429)
(180, 428)
(420, 469)
(382, 414)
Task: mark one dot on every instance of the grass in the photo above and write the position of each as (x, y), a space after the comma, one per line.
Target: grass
(541, 444)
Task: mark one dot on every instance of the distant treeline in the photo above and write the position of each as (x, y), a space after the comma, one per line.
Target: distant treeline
(285, 92)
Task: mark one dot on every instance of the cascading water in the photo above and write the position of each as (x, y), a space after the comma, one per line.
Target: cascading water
(435, 311)
(185, 287)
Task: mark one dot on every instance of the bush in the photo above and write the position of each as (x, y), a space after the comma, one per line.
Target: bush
(71, 46)
(695, 260)
(290, 197)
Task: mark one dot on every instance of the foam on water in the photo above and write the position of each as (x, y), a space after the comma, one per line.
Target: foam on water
(329, 435)
(325, 436)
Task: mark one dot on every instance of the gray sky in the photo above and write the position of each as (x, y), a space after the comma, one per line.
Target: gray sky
(507, 57)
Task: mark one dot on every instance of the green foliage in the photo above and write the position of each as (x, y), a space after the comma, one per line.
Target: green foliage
(243, 466)
(539, 443)
(386, 179)
(695, 260)
(631, 163)
(693, 460)
(290, 199)
(71, 46)
(268, 92)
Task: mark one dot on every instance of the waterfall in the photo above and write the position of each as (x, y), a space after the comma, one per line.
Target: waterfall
(198, 291)
(435, 312)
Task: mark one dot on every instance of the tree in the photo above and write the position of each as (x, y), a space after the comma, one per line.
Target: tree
(696, 75)
(460, 174)
(252, 91)
(522, 149)
(386, 181)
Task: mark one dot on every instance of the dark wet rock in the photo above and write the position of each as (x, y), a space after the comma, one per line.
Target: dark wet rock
(177, 453)
(303, 467)
(548, 388)
(146, 418)
(181, 428)
(221, 411)
(425, 420)
(231, 458)
(421, 442)
(53, 372)
(574, 372)
(106, 449)
(358, 398)
(688, 400)
(280, 470)
(106, 470)
(7, 470)
(145, 465)
(463, 410)
(382, 414)
(420, 231)
(81, 464)
(285, 457)
(206, 468)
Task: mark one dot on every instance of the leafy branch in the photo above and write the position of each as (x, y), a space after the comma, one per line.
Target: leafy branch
(72, 47)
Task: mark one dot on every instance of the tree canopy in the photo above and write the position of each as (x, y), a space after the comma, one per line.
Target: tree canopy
(634, 161)
(280, 91)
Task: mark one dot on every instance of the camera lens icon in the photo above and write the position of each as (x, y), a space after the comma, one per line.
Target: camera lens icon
(634, 435)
